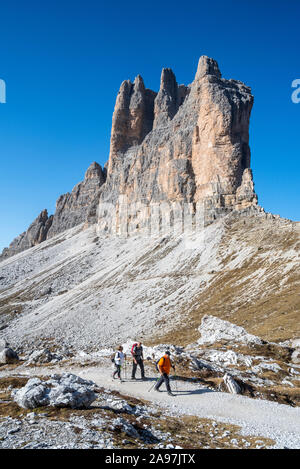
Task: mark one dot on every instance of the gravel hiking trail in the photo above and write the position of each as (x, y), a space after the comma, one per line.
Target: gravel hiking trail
(256, 417)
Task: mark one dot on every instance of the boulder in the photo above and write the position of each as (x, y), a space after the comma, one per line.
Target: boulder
(295, 343)
(42, 356)
(231, 385)
(34, 394)
(8, 355)
(66, 390)
(296, 356)
(213, 329)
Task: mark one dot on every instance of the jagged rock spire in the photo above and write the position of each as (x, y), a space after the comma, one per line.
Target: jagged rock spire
(166, 104)
(207, 66)
(132, 117)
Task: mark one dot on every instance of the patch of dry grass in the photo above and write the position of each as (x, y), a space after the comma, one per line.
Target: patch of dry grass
(267, 306)
(15, 382)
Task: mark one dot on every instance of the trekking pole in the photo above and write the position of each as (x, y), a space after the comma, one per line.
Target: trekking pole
(152, 386)
(175, 378)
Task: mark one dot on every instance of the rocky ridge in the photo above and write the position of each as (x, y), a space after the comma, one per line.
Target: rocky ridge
(71, 210)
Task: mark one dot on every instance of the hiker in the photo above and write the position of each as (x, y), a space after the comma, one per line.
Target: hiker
(164, 366)
(118, 361)
(138, 359)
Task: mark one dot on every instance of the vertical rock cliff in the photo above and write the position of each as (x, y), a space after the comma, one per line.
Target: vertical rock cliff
(194, 149)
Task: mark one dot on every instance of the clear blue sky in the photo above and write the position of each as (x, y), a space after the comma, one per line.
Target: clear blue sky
(63, 62)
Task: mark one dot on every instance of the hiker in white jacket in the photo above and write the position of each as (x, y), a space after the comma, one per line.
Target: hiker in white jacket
(119, 360)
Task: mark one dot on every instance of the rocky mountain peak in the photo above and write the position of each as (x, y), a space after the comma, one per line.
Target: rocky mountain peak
(138, 84)
(95, 171)
(183, 145)
(207, 66)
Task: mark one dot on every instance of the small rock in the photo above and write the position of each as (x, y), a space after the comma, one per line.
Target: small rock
(8, 355)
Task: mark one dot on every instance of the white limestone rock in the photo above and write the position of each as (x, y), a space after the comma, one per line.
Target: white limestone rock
(213, 329)
(66, 390)
(42, 356)
(231, 385)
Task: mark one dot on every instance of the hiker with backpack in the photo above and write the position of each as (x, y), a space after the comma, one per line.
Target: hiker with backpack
(138, 359)
(163, 366)
(118, 360)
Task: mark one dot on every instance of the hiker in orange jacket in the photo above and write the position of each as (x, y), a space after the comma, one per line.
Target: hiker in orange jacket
(164, 367)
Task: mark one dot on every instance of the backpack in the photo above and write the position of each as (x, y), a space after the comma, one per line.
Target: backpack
(156, 363)
(113, 356)
(132, 348)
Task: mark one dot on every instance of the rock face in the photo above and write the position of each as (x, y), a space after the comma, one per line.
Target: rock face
(196, 152)
(66, 390)
(72, 208)
(133, 115)
(36, 233)
(182, 145)
(199, 146)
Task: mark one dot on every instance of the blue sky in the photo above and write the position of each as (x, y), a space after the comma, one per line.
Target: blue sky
(63, 62)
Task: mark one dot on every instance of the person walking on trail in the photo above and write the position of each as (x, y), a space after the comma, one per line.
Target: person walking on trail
(118, 361)
(164, 366)
(138, 359)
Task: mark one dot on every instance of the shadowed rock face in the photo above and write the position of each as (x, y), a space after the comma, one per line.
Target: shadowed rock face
(167, 101)
(35, 234)
(183, 144)
(72, 208)
(133, 115)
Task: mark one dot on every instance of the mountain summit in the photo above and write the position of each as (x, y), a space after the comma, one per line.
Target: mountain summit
(182, 145)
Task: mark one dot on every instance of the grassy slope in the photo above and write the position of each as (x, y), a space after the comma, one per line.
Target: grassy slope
(259, 291)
